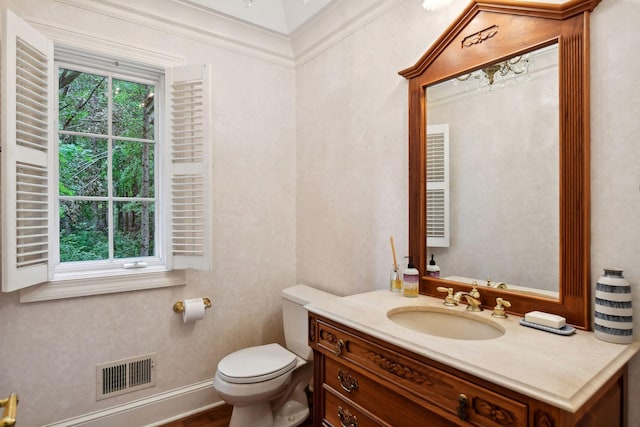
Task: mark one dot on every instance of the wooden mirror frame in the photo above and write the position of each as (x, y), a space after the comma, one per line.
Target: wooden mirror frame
(490, 31)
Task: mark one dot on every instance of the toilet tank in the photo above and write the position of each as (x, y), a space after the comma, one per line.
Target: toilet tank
(295, 317)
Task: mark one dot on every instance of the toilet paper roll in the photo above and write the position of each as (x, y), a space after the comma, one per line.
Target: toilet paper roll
(193, 310)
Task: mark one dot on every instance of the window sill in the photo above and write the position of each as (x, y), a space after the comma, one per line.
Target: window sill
(72, 286)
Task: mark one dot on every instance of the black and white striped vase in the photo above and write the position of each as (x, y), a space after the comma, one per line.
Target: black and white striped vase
(613, 311)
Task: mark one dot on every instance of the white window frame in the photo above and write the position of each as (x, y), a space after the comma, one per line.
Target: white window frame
(158, 260)
(183, 244)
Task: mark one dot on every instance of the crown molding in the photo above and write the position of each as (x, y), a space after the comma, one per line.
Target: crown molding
(337, 23)
(180, 19)
(183, 21)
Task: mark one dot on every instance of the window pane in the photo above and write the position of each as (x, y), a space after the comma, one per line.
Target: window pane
(134, 224)
(133, 169)
(82, 102)
(83, 166)
(83, 231)
(133, 109)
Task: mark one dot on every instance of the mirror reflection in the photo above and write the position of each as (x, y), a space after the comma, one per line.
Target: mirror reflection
(493, 174)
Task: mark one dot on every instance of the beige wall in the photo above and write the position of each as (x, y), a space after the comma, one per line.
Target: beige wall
(352, 133)
(48, 350)
(311, 175)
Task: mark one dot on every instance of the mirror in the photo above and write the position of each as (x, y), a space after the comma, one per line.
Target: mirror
(487, 32)
(496, 219)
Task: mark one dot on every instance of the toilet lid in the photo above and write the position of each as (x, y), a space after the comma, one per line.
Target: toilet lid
(256, 364)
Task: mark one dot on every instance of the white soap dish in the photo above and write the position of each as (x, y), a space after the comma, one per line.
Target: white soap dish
(565, 330)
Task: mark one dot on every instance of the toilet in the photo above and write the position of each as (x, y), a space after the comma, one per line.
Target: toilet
(266, 383)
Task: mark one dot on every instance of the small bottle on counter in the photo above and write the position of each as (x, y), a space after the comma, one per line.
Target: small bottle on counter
(395, 279)
(410, 280)
(432, 269)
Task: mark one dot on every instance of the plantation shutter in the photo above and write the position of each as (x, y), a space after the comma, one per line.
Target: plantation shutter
(438, 185)
(27, 105)
(190, 134)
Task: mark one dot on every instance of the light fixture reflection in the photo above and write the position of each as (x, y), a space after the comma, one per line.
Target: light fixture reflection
(500, 70)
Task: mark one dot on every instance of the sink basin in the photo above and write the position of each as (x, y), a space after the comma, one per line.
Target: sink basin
(446, 323)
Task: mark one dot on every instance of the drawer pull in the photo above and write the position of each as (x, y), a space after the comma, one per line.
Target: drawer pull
(463, 405)
(348, 382)
(347, 419)
(339, 347)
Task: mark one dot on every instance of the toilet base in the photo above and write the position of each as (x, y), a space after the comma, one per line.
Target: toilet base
(291, 414)
(258, 415)
(293, 408)
(288, 408)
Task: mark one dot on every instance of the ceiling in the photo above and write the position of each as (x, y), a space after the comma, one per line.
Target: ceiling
(281, 16)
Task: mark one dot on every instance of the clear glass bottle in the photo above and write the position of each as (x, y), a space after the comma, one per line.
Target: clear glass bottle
(395, 280)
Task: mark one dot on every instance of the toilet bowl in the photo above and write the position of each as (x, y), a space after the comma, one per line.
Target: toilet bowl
(266, 384)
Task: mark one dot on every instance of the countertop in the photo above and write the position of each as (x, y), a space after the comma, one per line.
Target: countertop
(563, 371)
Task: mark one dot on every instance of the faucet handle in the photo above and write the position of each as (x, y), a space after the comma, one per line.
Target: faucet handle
(474, 290)
(498, 310)
(449, 301)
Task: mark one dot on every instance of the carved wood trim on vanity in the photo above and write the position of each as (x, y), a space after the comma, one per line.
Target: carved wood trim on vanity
(398, 369)
(370, 382)
(543, 419)
(486, 32)
(494, 412)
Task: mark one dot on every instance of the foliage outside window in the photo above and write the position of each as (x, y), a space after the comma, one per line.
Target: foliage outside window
(107, 163)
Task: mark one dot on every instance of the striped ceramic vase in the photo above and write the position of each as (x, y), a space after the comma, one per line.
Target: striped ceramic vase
(613, 312)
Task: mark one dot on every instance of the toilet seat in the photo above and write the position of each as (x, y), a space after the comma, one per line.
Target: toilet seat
(256, 364)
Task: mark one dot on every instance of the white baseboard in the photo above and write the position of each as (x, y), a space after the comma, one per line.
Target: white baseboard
(152, 411)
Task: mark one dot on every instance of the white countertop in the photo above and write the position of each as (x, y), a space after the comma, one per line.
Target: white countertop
(563, 371)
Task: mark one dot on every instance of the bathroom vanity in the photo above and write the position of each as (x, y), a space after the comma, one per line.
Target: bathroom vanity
(445, 366)
(371, 371)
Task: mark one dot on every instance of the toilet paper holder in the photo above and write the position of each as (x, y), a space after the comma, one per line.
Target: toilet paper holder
(179, 306)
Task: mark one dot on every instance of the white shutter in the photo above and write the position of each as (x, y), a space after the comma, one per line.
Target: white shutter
(438, 186)
(190, 135)
(27, 101)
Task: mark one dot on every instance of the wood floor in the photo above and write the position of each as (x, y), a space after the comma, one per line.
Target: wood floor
(216, 417)
(220, 416)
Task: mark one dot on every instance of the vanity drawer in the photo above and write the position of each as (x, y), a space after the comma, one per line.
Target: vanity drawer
(341, 413)
(443, 391)
(368, 394)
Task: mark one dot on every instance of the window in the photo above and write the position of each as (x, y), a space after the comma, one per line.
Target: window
(115, 195)
(106, 164)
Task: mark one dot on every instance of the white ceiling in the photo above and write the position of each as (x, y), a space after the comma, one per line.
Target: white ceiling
(282, 16)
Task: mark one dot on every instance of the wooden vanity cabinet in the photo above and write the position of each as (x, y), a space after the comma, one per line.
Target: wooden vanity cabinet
(361, 381)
